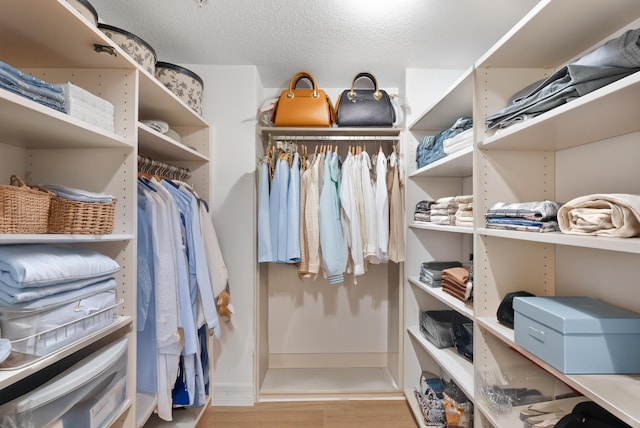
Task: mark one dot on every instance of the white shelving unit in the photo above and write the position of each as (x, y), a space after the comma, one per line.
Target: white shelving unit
(53, 41)
(587, 146)
(449, 176)
(317, 340)
(554, 156)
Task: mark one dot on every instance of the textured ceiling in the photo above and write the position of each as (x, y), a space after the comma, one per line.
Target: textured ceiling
(333, 39)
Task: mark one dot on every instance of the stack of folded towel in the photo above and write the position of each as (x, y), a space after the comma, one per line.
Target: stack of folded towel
(455, 281)
(614, 215)
(47, 94)
(423, 211)
(538, 216)
(443, 211)
(464, 213)
(43, 287)
(431, 272)
(88, 107)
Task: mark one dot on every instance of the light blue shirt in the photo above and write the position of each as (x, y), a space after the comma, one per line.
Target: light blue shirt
(334, 252)
(265, 253)
(293, 212)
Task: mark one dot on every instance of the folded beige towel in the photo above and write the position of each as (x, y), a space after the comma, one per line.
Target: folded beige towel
(615, 215)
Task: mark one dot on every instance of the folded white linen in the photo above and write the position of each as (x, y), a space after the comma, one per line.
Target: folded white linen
(615, 215)
(37, 265)
(10, 295)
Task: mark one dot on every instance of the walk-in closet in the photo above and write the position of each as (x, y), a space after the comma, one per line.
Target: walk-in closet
(474, 258)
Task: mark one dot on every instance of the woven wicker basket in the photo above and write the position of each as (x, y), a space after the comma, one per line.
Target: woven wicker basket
(23, 209)
(73, 217)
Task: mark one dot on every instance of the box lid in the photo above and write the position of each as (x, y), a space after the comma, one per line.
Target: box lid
(578, 314)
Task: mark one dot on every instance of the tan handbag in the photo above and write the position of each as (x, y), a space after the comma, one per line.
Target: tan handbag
(303, 107)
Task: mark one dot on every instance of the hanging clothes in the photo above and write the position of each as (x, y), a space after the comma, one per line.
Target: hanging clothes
(265, 250)
(370, 235)
(350, 217)
(332, 244)
(382, 207)
(396, 211)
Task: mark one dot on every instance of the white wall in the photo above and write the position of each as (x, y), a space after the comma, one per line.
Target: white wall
(231, 98)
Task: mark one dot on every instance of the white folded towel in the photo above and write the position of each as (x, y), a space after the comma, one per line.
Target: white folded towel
(614, 215)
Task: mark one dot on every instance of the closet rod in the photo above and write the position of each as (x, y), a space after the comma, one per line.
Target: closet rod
(150, 166)
(350, 138)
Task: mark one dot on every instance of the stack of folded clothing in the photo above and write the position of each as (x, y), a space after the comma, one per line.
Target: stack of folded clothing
(464, 213)
(458, 142)
(78, 195)
(47, 94)
(443, 211)
(431, 272)
(88, 107)
(45, 288)
(455, 281)
(430, 149)
(612, 61)
(538, 216)
(423, 211)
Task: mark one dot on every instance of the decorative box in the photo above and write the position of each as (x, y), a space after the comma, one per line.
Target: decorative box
(184, 83)
(86, 9)
(578, 335)
(138, 49)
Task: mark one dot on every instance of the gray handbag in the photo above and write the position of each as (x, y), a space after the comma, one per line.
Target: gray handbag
(365, 107)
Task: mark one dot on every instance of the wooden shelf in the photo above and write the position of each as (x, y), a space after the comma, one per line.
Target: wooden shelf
(157, 146)
(440, 227)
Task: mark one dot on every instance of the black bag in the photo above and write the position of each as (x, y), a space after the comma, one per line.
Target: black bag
(365, 107)
(588, 414)
(505, 311)
(462, 335)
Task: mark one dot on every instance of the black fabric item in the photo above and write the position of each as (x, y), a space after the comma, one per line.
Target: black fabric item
(588, 414)
(365, 107)
(505, 309)
(462, 335)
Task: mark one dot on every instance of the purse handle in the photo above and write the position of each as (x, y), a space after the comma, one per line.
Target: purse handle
(299, 76)
(377, 95)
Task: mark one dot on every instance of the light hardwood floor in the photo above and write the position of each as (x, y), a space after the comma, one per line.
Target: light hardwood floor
(313, 414)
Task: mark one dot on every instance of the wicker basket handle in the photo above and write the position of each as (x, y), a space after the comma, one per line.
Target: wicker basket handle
(17, 181)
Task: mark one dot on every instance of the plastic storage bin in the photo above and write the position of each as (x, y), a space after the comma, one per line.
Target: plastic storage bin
(578, 335)
(43, 331)
(86, 395)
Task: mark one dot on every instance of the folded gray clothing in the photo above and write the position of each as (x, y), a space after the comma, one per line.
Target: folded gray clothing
(612, 61)
(435, 268)
(435, 283)
(79, 195)
(538, 210)
(424, 206)
(10, 295)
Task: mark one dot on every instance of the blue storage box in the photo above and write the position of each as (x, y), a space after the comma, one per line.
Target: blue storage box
(578, 335)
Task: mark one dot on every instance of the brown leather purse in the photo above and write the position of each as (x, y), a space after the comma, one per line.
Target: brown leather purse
(303, 107)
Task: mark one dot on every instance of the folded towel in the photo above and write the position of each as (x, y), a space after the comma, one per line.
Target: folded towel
(614, 215)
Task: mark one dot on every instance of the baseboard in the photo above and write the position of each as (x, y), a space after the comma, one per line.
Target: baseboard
(328, 360)
(233, 395)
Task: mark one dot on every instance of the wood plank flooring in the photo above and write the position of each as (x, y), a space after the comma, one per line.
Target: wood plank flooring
(313, 414)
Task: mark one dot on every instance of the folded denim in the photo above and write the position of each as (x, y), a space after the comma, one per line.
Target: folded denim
(606, 64)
